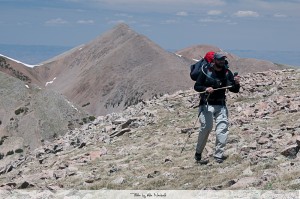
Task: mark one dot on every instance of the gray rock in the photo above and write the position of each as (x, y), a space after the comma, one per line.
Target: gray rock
(291, 151)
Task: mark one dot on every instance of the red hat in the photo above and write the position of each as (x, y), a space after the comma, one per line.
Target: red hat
(209, 57)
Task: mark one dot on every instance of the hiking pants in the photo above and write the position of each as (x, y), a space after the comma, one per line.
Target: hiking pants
(208, 113)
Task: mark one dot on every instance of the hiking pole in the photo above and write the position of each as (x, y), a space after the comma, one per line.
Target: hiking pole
(225, 87)
(190, 133)
(202, 92)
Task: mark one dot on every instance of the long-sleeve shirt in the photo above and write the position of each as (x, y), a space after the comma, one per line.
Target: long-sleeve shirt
(209, 77)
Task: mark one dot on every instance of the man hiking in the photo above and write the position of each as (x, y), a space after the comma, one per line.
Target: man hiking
(212, 82)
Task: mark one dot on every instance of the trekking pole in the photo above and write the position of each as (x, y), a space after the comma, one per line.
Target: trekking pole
(190, 133)
(202, 92)
(225, 87)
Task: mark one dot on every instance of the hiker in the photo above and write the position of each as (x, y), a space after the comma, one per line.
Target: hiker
(207, 60)
(213, 104)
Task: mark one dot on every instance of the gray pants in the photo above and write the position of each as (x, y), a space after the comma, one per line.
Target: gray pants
(208, 113)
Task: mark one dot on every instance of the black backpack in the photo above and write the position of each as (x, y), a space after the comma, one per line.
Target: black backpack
(195, 69)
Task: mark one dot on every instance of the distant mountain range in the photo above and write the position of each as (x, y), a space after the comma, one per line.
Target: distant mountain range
(236, 63)
(32, 54)
(35, 54)
(291, 58)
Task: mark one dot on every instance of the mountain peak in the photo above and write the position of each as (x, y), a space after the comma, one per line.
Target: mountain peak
(121, 30)
(116, 70)
(122, 26)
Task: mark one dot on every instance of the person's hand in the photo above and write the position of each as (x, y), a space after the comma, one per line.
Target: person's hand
(237, 79)
(209, 90)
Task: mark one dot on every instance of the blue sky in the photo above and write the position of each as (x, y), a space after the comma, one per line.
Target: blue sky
(172, 24)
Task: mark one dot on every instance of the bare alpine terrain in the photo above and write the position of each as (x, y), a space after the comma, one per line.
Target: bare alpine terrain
(116, 113)
(29, 114)
(140, 148)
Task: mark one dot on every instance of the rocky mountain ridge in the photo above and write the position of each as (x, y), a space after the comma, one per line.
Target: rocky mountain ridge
(140, 148)
(238, 64)
(117, 69)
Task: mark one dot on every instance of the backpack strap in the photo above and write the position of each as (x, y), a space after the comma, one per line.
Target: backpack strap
(208, 71)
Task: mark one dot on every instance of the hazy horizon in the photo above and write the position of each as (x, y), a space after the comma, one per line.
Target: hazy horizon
(35, 54)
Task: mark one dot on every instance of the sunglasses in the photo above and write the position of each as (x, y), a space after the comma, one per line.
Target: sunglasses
(221, 59)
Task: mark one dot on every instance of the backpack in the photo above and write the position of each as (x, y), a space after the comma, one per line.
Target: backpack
(196, 68)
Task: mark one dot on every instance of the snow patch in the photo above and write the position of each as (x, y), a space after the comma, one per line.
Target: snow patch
(50, 81)
(181, 56)
(81, 47)
(26, 86)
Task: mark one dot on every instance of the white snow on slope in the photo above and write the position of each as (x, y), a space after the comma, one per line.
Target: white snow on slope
(72, 105)
(28, 65)
(50, 81)
(178, 55)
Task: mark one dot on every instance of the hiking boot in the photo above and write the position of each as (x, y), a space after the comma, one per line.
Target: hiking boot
(198, 156)
(220, 160)
(198, 159)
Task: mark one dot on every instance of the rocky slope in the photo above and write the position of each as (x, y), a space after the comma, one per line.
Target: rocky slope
(29, 114)
(19, 70)
(140, 148)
